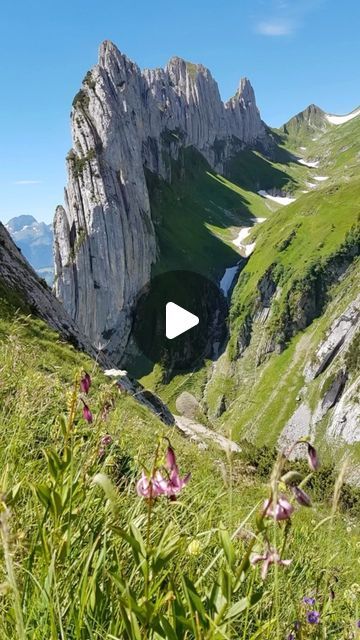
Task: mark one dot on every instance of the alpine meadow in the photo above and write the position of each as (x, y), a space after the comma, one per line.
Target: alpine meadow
(201, 482)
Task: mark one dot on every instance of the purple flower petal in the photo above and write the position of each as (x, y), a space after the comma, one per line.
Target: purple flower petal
(313, 617)
(313, 458)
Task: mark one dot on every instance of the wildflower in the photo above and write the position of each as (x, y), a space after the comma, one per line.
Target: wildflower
(268, 558)
(87, 415)
(310, 601)
(358, 624)
(282, 511)
(291, 636)
(313, 458)
(85, 383)
(174, 483)
(151, 487)
(301, 497)
(101, 452)
(106, 440)
(313, 617)
(170, 458)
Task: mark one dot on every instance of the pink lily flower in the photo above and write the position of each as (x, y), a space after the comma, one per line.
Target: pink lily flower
(282, 511)
(267, 559)
(87, 415)
(170, 458)
(174, 483)
(85, 383)
(151, 487)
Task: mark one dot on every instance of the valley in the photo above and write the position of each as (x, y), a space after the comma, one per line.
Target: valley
(216, 501)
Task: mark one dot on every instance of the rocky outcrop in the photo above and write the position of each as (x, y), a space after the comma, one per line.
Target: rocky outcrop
(340, 334)
(345, 421)
(126, 121)
(336, 362)
(27, 290)
(196, 432)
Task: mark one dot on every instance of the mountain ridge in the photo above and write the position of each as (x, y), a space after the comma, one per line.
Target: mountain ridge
(35, 240)
(123, 121)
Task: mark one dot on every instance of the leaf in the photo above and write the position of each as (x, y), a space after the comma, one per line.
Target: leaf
(43, 493)
(228, 547)
(194, 601)
(12, 495)
(237, 608)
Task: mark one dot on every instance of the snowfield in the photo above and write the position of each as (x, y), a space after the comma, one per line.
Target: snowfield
(242, 235)
(248, 249)
(342, 119)
(284, 200)
(307, 163)
(321, 178)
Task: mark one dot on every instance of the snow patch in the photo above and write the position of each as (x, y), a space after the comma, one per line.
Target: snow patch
(342, 119)
(248, 249)
(311, 185)
(307, 163)
(302, 148)
(242, 235)
(321, 178)
(284, 200)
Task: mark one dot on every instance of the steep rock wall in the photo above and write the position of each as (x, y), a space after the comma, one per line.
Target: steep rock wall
(123, 120)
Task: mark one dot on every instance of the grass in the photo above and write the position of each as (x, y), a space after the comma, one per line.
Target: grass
(85, 557)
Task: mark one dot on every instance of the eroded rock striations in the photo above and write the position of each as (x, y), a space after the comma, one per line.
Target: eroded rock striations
(22, 283)
(125, 121)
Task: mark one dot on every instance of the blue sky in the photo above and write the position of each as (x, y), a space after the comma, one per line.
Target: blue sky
(294, 51)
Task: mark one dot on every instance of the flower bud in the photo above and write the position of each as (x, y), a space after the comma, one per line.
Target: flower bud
(313, 458)
(301, 497)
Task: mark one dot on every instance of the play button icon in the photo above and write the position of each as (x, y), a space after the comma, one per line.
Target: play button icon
(178, 320)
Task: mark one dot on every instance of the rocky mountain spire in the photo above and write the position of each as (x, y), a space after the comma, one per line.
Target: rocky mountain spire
(125, 119)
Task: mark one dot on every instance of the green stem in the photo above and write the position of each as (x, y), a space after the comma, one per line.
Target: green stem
(4, 527)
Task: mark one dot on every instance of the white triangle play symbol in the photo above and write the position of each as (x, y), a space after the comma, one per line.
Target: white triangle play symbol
(178, 320)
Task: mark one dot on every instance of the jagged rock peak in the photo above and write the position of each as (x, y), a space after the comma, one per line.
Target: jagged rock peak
(125, 122)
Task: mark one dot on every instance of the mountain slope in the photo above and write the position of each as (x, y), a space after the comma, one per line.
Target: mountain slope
(35, 239)
(302, 276)
(22, 288)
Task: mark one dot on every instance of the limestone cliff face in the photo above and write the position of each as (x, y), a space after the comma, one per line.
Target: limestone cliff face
(125, 120)
(19, 279)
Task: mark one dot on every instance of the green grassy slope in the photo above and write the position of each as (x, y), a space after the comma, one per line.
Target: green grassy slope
(305, 247)
(74, 561)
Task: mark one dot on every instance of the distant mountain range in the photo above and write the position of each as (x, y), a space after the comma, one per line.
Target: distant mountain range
(35, 239)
